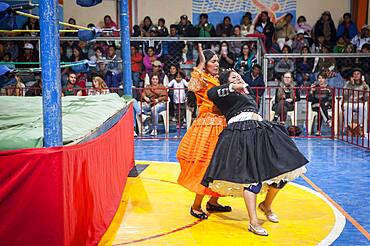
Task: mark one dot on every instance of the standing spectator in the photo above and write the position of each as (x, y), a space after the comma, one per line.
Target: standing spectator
(362, 38)
(245, 61)
(113, 76)
(136, 66)
(146, 26)
(321, 98)
(179, 84)
(267, 27)
(110, 24)
(325, 27)
(255, 80)
(71, 89)
(347, 28)
(205, 29)
(226, 56)
(99, 87)
(247, 26)
(225, 28)
(162, 29)
(285, 31)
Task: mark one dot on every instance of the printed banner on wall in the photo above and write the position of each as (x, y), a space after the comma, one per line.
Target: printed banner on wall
(235, 9)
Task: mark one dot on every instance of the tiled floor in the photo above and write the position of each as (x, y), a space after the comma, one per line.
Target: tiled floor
(339, 169)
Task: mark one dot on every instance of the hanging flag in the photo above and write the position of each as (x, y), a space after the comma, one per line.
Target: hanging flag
(7, 17)
(88, 3)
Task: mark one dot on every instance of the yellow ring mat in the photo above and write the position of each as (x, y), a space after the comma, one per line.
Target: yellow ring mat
(155, 211)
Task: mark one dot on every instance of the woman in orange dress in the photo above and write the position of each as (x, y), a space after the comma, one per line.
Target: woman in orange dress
(197, 146)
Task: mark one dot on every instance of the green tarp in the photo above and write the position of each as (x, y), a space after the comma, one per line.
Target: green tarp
(21, 124)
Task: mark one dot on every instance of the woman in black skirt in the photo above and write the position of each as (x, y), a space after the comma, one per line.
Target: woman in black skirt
(250, 151)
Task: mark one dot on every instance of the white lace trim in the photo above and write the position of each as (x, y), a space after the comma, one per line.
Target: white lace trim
(227, 188)
(243, 116)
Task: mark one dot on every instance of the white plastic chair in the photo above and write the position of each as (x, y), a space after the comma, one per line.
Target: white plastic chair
(293, 115)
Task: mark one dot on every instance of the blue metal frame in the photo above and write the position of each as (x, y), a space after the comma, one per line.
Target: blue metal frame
(50, 60)
(125, 48)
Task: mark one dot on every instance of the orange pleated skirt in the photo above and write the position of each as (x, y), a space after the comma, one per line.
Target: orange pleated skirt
(196, 149)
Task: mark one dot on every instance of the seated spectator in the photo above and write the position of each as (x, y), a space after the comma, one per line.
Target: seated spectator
(355, 95)
(98, 55)
(225, 28)
(185, 28)
(71, 89)
(325, 27)
(173, 49)
(136, 31)
(146, 26)
(347, 29)
(340, 46)
(321, 97)
(255, 80)
(299, 42)
(258, 33)
(28, 55)
(157, 69)
(71, 34)
(136, 66)
(361, 38)
(267, 26)
(205, 29)
(245, 60)
(162, 29)
(35, 89)
(304, 68)
(285, 97)
(325, 62)
(345, 65)
(8, 58)
(226, 57)
(110, 24)
(303, 25)
(179, 94)
(247, 26)
(149, 58)
(364, 63)
(99, 87)
(285, 64)
(235, 46)
(154, 98)
(285, 31)
(17, 89)
(31, 24)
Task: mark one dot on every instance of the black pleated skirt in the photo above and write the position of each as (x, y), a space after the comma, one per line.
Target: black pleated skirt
(250, 152)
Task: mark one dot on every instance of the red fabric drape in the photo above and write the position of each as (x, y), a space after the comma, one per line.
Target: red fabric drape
(65, 195)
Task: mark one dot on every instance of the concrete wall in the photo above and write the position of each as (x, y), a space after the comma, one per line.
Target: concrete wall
(95, 15)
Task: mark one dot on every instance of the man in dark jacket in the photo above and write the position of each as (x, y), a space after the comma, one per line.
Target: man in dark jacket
(255, 80)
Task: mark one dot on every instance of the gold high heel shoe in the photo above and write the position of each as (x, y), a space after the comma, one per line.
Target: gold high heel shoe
(258, 231)
(271, 216)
